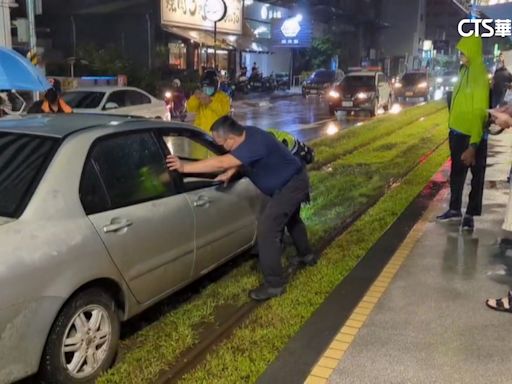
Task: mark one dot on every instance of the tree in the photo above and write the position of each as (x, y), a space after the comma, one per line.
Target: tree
(319, 55)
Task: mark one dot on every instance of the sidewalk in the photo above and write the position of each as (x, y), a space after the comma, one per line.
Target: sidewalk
(424, 320)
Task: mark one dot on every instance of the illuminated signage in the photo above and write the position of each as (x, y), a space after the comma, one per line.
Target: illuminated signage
(294, 32)
(199, 14)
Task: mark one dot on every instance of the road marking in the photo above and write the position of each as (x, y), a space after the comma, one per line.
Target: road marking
(332, 357)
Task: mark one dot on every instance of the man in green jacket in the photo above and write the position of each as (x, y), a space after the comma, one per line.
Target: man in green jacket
(468, 144)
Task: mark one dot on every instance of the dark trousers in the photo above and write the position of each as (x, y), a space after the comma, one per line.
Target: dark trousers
(282, 211)
(458, 144)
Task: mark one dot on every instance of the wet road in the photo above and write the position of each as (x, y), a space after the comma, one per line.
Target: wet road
(307, 119)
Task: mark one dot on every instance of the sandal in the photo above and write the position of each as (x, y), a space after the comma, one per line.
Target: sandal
(501, 305)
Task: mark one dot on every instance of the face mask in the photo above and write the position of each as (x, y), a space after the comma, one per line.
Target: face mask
(208, 91)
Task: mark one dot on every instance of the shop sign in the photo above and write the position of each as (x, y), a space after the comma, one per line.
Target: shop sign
(259, 11)
(294, 32)
(192, 14)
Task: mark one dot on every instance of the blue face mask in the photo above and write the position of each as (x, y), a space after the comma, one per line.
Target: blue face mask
(209, 91)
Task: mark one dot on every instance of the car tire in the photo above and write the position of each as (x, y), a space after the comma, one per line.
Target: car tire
(99, 345)
(375, 108)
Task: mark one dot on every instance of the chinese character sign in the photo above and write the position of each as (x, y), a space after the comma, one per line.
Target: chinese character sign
(293, 32)
(191, 14)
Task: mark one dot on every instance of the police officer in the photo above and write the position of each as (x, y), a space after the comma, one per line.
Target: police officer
(279, 175)
(299, 149)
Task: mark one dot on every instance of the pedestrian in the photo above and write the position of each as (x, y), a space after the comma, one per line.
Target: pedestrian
(468, 143)
(208, 103)
(51, 103)
(502, 81)
(503, 118)
(277, 174)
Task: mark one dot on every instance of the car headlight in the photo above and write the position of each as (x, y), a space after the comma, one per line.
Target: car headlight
(362, 95)
(439, 80)
(168, 95)
(423, 85)
(334, 94)
(398, 85)
(454, 79)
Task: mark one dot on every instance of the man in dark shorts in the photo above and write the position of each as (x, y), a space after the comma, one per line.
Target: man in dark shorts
(279, 175)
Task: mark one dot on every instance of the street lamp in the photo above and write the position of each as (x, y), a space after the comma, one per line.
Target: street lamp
(215, 11)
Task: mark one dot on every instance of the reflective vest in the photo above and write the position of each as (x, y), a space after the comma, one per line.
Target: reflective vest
(63, 107)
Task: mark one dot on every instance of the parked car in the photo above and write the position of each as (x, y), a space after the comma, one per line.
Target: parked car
(115, 100)
(320, 81)
(94, 229)
(282, 80)
(361, 91)
(413, 85)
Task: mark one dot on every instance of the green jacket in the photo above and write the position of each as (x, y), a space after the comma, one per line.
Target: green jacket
(470, 101)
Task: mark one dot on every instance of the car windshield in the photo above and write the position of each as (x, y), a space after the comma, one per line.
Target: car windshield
(323, 76)
(413, 78)
(23, 158)
(83, 99)
(359, 81)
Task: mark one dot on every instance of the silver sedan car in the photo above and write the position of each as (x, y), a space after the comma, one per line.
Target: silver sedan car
(94, 229)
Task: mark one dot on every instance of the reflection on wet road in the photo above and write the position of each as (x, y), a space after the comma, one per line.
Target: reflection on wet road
(307, 119)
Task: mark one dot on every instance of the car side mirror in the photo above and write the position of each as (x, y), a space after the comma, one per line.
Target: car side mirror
(111, 105)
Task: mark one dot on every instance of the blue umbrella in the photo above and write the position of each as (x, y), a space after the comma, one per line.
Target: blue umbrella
(16, 72)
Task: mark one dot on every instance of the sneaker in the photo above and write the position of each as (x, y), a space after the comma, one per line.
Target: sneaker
(468, 223)
(264, 292)
(450, 215)
(297, 263)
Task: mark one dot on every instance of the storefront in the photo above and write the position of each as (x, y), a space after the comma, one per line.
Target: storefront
(259, 21)
(192, 42)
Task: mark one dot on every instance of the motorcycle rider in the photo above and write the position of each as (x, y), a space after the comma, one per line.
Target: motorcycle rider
(208, 103)
(179, 101)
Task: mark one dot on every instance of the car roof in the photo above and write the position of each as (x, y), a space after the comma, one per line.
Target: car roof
(105, 88)
(366, 73)
(62, 125)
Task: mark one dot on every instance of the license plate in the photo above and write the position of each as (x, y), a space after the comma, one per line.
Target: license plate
(347, 104)
(313, 91)
(409, 93)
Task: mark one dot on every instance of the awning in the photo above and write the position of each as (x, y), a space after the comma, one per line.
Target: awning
(202, 37)
(497, 11)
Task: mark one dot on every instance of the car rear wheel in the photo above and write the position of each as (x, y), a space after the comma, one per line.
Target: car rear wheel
(82, 343)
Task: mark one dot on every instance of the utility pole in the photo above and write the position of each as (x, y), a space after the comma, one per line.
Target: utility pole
(31, 15)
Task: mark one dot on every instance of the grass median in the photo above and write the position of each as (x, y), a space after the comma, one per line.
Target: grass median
(346, 183)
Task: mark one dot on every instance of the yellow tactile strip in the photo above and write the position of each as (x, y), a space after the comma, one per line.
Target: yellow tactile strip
(331, 358)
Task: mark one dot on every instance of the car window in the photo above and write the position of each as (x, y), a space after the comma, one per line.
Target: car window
(136, 98)
(23, 159)
(83, 99)
(191, 148)
(117, 97)
(132, 169)
(359, 81)
(323, 75)
(93, 195)
(413, 78)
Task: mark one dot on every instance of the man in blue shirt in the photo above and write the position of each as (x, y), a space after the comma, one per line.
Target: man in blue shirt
(279, 175)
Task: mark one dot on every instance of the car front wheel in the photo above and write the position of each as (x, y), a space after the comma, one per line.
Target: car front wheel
(82, 343)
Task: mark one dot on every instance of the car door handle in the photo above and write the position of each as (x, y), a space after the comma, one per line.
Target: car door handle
(116, 226)
(202, 202)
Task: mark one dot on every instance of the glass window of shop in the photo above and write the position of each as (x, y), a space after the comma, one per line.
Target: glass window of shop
(178, 55)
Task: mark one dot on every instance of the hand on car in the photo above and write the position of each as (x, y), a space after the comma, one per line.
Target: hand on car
(469, 156)
(226, 176)
(175, 164)
(502, 117)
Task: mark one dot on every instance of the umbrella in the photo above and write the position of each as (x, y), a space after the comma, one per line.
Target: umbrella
(16, 72)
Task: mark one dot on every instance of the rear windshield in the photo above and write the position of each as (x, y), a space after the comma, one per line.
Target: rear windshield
(359, 81)
(23, 159)
(413, 78)
(83, 99)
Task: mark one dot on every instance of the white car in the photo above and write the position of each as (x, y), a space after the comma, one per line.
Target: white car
(115, 100)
